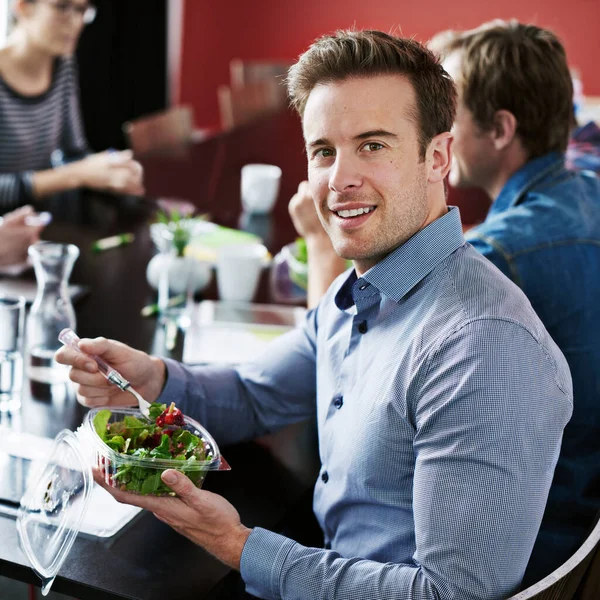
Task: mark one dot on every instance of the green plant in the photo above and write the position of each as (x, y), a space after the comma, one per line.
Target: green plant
(181, 234)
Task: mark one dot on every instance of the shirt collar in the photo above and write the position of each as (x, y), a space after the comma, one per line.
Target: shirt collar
(407, 265)
(530, 174)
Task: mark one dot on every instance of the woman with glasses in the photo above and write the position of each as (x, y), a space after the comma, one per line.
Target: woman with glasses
(39, 110)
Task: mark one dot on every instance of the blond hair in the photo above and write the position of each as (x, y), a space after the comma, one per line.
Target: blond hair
(506, 65)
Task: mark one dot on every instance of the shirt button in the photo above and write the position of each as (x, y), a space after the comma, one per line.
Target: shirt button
(338, 402)
(324, 477)
(364, 286)
(362, 327)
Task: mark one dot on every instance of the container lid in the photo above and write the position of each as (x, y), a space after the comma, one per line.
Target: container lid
(53, 506)
(57, 495)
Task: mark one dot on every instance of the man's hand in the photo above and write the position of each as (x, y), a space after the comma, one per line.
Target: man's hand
(145, 373)
(205, 518)
(16, 237)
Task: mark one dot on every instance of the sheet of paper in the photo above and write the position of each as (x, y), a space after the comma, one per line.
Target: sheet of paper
(233, 333)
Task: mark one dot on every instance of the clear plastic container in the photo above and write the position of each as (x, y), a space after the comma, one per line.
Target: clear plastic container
(142, 475)
(58, 494)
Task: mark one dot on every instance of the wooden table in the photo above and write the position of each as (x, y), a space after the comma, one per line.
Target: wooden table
(148, 560)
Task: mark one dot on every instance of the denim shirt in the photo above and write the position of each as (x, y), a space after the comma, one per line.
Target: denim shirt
(437, 444)
(543, 231)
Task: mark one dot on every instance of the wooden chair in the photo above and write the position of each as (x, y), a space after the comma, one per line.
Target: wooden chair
(247, 72)
(576, 579)
(168, 131)
(239, 105)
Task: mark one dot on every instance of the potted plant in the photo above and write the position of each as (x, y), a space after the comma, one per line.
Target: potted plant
(172, 272)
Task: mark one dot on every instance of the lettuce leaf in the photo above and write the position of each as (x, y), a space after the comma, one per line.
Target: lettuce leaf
(100, 423)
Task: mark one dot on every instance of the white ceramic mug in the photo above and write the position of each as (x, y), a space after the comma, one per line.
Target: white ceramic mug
(260, 187)
(238, 271)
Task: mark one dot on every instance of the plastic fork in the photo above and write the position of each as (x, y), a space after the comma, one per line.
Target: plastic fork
(69, 338)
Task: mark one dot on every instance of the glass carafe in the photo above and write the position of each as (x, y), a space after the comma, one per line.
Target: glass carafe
(51, 311)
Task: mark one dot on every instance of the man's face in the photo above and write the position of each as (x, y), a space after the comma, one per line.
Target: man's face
(472, 149)
(368, 182)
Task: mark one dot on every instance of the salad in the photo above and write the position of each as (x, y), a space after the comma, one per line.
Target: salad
(148, 446)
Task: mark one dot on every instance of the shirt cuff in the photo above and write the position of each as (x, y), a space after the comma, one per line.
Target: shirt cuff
(26, 187)
(262, 561)
(175, 386)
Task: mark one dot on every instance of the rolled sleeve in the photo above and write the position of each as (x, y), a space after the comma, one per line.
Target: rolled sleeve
(16, 189)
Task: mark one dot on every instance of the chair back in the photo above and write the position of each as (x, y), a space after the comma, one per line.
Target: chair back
(240, 105)
(576, 579)
(163, 132)
(244, 72)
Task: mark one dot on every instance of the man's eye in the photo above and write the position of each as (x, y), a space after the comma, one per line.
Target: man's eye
(324, 152)
(372, 146)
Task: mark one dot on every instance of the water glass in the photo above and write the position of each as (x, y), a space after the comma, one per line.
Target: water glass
(12, 326)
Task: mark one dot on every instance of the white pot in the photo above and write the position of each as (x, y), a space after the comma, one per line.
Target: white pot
(182, 270)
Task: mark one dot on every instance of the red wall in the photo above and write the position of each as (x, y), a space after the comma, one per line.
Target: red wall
(215, 31)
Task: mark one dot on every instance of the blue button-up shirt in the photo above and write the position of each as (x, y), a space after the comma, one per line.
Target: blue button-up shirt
(436, 465)
(543, 231)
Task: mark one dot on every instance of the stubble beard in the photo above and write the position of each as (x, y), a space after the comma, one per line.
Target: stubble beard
(387, 236)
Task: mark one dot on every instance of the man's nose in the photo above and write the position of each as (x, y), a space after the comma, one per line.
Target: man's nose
(345, 174)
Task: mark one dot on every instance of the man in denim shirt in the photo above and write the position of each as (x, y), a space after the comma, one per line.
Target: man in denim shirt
(511, 131)
(440, 397)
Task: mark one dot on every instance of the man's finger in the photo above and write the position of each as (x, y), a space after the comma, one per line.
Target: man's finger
(181, 485)
(151, 503)
(163, 519)
(303, 188)
(70, 357)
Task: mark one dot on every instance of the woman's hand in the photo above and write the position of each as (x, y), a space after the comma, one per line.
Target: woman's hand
(110, 171)
(16, 236)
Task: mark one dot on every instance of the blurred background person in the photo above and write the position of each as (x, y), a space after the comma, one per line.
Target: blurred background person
(39, 110)
(513, 122)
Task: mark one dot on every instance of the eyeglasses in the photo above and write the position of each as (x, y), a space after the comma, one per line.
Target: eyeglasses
(86, 12)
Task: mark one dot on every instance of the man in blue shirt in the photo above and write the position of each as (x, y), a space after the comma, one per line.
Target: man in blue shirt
(514, 116)
(440, 397)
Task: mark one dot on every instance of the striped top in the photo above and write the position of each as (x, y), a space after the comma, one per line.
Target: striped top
(33, 127)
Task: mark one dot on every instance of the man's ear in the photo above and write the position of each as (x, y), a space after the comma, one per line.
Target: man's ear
(504, 129)
(439, 157)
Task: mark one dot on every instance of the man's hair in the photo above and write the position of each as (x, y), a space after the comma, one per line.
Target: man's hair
(356, 54)
(506, 65)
